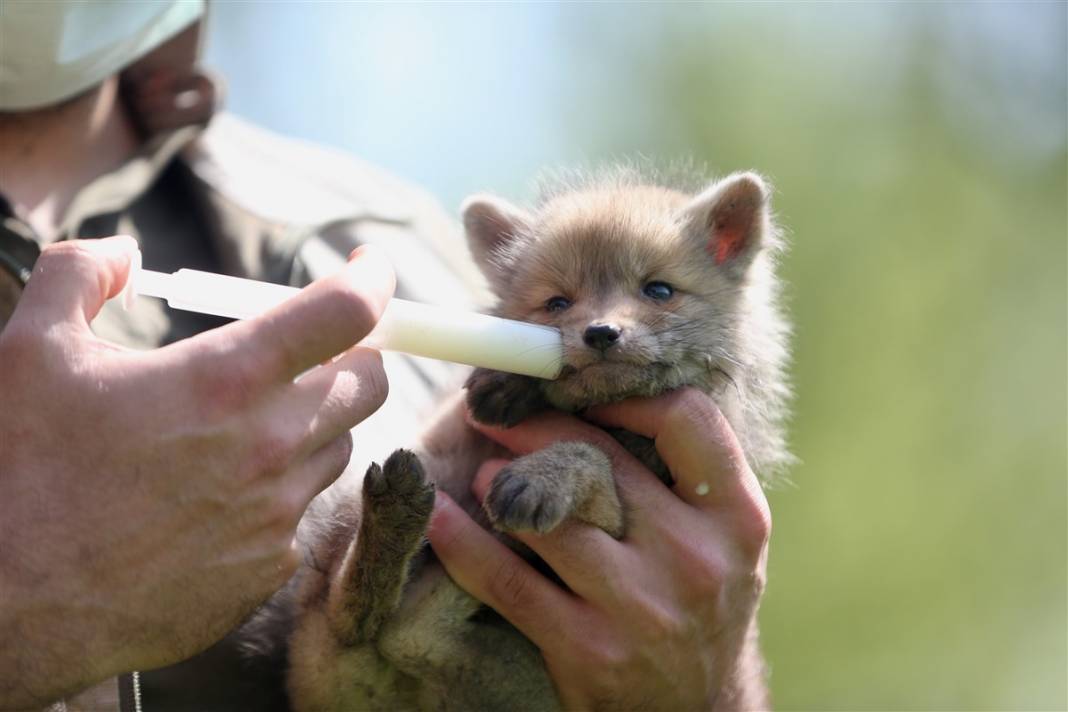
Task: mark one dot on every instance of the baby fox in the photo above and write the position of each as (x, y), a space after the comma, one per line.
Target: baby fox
(652, 289)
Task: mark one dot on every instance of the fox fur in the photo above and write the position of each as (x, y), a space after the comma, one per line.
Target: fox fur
(378, 625)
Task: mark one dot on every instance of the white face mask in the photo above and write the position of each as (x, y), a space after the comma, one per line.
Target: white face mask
(51, 51)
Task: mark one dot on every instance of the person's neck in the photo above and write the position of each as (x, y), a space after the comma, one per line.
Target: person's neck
(48, 155)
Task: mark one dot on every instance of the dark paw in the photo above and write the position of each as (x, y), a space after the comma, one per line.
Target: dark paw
(401, 483)
(517, 502)
(398, 500)
(497, 398)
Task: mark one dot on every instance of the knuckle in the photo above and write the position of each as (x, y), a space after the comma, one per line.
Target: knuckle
(691, 405)
(661, 621)
(339, 454)
(374, 385)
(329, 463)
(605, 656)
(285, 511)
(706, 584)
(753, 525)
(278, 518)
(252, 368)
(223, 383)
(272, 452)
(740, 600)
(510, 585)
(247, 371)
(66, 253)
(755, 582)
(70, 258)
(704, 567)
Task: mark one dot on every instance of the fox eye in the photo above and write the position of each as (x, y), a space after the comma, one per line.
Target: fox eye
(660, 291)
(556, 304)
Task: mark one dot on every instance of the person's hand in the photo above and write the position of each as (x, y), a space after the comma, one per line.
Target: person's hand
(663, 619)
(149, 499)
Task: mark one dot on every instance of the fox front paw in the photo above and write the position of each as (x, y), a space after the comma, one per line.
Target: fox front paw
(538, 491)
(519, 502)
(497, 398)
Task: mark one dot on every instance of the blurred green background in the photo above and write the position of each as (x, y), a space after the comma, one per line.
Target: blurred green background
(919, 158)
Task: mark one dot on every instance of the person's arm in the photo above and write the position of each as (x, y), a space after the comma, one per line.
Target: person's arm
(148, 500)
(666, 617)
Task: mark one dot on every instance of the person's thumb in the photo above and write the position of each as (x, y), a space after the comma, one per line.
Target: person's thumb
(72, 279)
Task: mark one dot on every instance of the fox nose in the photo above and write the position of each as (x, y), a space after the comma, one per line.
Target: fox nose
(601, 336)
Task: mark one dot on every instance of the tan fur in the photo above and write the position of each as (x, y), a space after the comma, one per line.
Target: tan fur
(597, 243)
(541, 490)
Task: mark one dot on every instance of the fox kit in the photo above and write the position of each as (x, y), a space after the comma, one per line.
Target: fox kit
(652, 289)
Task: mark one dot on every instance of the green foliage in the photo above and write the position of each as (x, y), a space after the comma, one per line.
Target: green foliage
(919, 560)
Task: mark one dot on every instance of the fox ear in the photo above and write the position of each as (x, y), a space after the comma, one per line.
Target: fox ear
(493, 227)
(732, 219)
